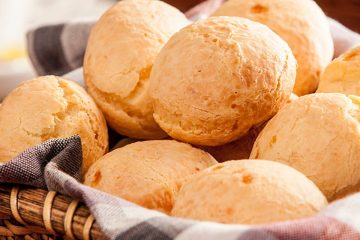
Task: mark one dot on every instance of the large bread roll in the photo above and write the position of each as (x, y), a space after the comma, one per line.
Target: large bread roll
(343, 74)
(216, 79)
(248, 192)
(119, 56)
(51, 107)
(319, 135)
(147, 173)
(301, 23)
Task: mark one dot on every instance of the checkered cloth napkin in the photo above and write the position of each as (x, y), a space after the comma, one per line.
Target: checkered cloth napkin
(56, 164)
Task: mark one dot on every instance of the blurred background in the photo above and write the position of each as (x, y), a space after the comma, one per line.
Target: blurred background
(18, 16)
(345, 11)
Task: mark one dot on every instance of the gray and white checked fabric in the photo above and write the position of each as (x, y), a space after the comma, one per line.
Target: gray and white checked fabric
(58, 49)
(56, 165)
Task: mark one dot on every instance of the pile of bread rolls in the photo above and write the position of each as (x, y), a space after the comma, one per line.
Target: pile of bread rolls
(222, 89)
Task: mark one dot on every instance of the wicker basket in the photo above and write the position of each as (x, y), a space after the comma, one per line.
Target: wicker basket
(29, 213)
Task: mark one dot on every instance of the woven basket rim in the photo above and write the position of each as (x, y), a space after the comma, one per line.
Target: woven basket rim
(42, 218)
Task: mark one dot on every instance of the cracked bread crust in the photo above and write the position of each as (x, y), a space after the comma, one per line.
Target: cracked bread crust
(50, 107)
(302, 24)
(319, 135)
(248, 192)
(343, 74)
(216, 79)
(147, 173)
(120, 53)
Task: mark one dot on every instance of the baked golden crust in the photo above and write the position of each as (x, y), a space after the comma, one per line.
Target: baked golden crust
(248, 192)
(51, 107)
(119, 56)
(343, 74)
(318, 135)
(302, 24)
(147, 173)
(217, 78)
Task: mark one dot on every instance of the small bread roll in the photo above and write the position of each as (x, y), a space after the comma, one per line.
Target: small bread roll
(217, 78)
(343, 74)
(147, 173)
(248, 192)
(119, 56)
(302, 24)
(51, 107)
(319, 135)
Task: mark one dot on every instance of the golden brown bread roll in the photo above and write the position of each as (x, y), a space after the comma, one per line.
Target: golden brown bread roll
(319, 135)
(241, 148)
(343, 74)
(301, 23)
(147, 173)
(51, 107)
(248, 192)
(119, 56)
(216, 79)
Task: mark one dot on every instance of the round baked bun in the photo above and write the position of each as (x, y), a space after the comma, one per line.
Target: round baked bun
(51, 107)
(302, 24)
(248, 192)
(119, 56)
(147, 173)
(318, 135)
(217, 78)
(343, 74)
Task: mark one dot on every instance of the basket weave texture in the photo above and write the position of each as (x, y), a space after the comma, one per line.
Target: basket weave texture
(30, 213)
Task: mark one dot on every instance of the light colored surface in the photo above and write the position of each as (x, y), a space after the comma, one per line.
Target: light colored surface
(344, 39)
(29, 14)
(147, 173)
(217, 78)
(19, 16)
(318, 135)
(301, 23)
(76, 76)
(343, 74)
(119, 57)
(248, 192)
(50, 107)
(12, 73)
